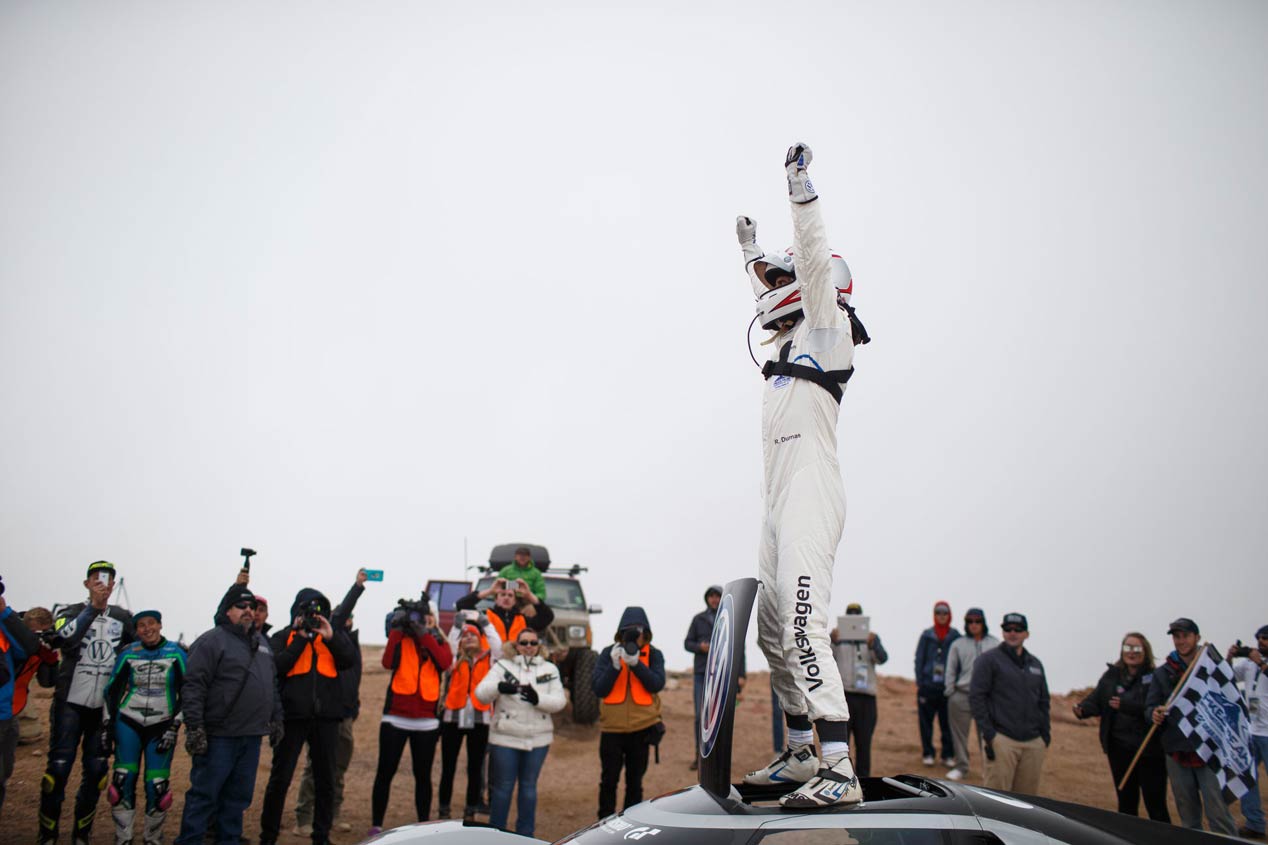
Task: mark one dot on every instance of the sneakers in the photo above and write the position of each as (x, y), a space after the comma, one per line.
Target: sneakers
(955, 774)
(949, 762)
(444, 811)
(373, 831)
(797, 764)
(833, 784)
(927, 759)
(305, 830)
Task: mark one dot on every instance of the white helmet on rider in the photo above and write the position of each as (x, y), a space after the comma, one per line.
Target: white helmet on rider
(778, 302)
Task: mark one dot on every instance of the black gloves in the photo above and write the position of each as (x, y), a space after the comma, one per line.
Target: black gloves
(168, 740)
(530, 695)
(195, 740)
(988, 750)
(508, 687)
(276, 731)
(106, 739)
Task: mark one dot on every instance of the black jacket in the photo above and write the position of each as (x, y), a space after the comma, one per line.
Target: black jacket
(1009, 695)
(350, 681)
(230, 684)
(1127, 725)
(1166, 677)
(310, 694)
(538, 622)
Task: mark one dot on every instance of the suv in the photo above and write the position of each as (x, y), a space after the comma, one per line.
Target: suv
(569, 638)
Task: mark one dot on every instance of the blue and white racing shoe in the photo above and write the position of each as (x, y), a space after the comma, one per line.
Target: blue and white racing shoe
(797, 764)
(833, 784)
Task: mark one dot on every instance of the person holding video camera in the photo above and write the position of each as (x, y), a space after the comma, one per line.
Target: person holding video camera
(309, 656)
(416, 655)
(515, 607)
(1252, 671)
(90, 635)
(524, 689)
(628, 677)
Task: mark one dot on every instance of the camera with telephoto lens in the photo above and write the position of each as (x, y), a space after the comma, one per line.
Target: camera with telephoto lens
(629, 638)
(1, 585)
(1240, 650)
(311, 610)
(410, 611)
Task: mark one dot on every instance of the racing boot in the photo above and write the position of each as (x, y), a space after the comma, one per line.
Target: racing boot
(833, 784)
(154, 826)
(797, 764)
(124, 816)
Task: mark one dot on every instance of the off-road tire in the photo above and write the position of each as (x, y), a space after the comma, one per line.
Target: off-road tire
(585, 704)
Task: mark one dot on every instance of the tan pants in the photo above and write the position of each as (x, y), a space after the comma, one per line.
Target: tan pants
(1017, 766)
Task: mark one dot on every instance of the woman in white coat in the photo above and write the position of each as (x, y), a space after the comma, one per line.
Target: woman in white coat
(525, 689)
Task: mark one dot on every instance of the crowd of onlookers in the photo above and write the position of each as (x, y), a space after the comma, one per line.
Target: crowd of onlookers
(123, 693)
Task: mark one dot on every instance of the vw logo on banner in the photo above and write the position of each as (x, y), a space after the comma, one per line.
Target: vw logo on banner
(717, 677)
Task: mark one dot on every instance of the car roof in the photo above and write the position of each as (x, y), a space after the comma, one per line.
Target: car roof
(504, 554)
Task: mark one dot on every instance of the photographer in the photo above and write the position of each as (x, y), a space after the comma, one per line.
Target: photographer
(309, 656)
(628, 676)
(524, 689)
(515, 607)
(474, 644)
(416, 654)
(1252, 671)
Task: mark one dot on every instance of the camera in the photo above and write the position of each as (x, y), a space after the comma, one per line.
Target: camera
(1240, 650)
(409, 612)
(629, 638)
(1, 585)
(310, 610)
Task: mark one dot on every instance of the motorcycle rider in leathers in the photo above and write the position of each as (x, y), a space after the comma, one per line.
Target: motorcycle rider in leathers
(803, 296)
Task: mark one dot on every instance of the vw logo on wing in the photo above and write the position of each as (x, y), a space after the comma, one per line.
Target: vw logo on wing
(717, 679)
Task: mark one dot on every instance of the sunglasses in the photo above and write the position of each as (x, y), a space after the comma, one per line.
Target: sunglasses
(974, 621)
(1012, 629)
(1133, 649)
(244, 605)
(527, 642)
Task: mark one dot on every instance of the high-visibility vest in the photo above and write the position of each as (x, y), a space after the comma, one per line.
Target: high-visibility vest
(21, 686)
(304, 665)
(414, 675)
(518, 624)
(463, 681)
(628, 678)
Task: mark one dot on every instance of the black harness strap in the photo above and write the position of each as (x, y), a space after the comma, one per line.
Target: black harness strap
(832, 381)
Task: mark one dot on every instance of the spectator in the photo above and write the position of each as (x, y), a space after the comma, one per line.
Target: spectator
(1119, 699)
(1009, 698)
(931, 673)
(964, 652)
(309, 655)
(229, 701)
(416, 655)
(473, 642)
(1192, 783)
(699, 633)
(143, 700)
(515, 607)
(523, 569)
(628, 677)
(16, 643)
(857, 661)
(42, 666)
(524, 690)
(90, 635)
(350, 683)
(1251, 673)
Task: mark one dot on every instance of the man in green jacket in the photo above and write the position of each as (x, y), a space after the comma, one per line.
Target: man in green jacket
(525, 570)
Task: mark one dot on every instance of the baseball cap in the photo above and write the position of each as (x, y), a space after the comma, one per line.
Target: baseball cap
(1262, 632)
(854, 609)
(261, 600)
(1183, 624)
(1018, 619)
(100, 566)
(141, 614)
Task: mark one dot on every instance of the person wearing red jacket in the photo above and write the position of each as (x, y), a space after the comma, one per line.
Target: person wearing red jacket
(417, 654)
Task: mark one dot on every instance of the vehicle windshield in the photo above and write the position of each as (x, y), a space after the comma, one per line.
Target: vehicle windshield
(563, 593)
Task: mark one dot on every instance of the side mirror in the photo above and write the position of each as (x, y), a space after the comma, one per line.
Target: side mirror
(596, 608)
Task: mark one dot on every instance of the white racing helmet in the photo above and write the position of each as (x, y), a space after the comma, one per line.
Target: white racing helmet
(775, 304)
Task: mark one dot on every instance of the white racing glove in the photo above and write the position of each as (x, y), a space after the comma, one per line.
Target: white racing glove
(629, 659)
(616, 657)
(746, 233)
(800, 189)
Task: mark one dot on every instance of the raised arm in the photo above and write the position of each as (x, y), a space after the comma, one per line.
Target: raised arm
(810, 244)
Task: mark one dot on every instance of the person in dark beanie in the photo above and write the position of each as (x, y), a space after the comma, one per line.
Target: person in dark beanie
(309, 656)
(229, 700)
(1194, 786)
(931, 673)
(965, 651)
(628, 677)
(1009, 699)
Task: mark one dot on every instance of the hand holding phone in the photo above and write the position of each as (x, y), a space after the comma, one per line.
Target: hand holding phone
(373, 574)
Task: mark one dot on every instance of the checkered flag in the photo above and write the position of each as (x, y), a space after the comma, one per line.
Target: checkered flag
(1212, 708)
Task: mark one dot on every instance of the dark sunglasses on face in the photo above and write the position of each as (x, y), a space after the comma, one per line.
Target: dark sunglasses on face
(244, 605)
(528, 642)
(972, 621)
(1012, 629)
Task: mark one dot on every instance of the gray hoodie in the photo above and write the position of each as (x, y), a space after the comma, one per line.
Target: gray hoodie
(964, 652)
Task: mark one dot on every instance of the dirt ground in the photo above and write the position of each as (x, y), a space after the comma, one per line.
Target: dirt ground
(1075, 769)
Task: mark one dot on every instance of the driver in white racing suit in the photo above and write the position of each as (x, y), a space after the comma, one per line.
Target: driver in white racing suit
(803, 296)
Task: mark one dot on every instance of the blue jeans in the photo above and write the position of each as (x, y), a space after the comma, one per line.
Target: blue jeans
(1252, 809)
(506, 765)
(1195, 790)
(221, 784)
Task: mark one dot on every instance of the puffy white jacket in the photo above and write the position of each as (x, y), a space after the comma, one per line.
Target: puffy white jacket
(516, 723)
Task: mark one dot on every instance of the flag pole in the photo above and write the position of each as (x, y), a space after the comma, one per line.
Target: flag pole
(1197, 655)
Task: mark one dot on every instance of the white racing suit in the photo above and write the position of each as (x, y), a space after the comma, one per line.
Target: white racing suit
(804, 495)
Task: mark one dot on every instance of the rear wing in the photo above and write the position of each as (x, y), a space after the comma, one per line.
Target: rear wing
(721, 685)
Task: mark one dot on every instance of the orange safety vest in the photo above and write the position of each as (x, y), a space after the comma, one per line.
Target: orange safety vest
(304, 665)
(414, 675)
(464, 680)
(517, 625)
(21, 686)
(640, 693)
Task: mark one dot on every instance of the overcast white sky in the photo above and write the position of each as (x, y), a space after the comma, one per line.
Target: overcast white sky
(352, 283)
